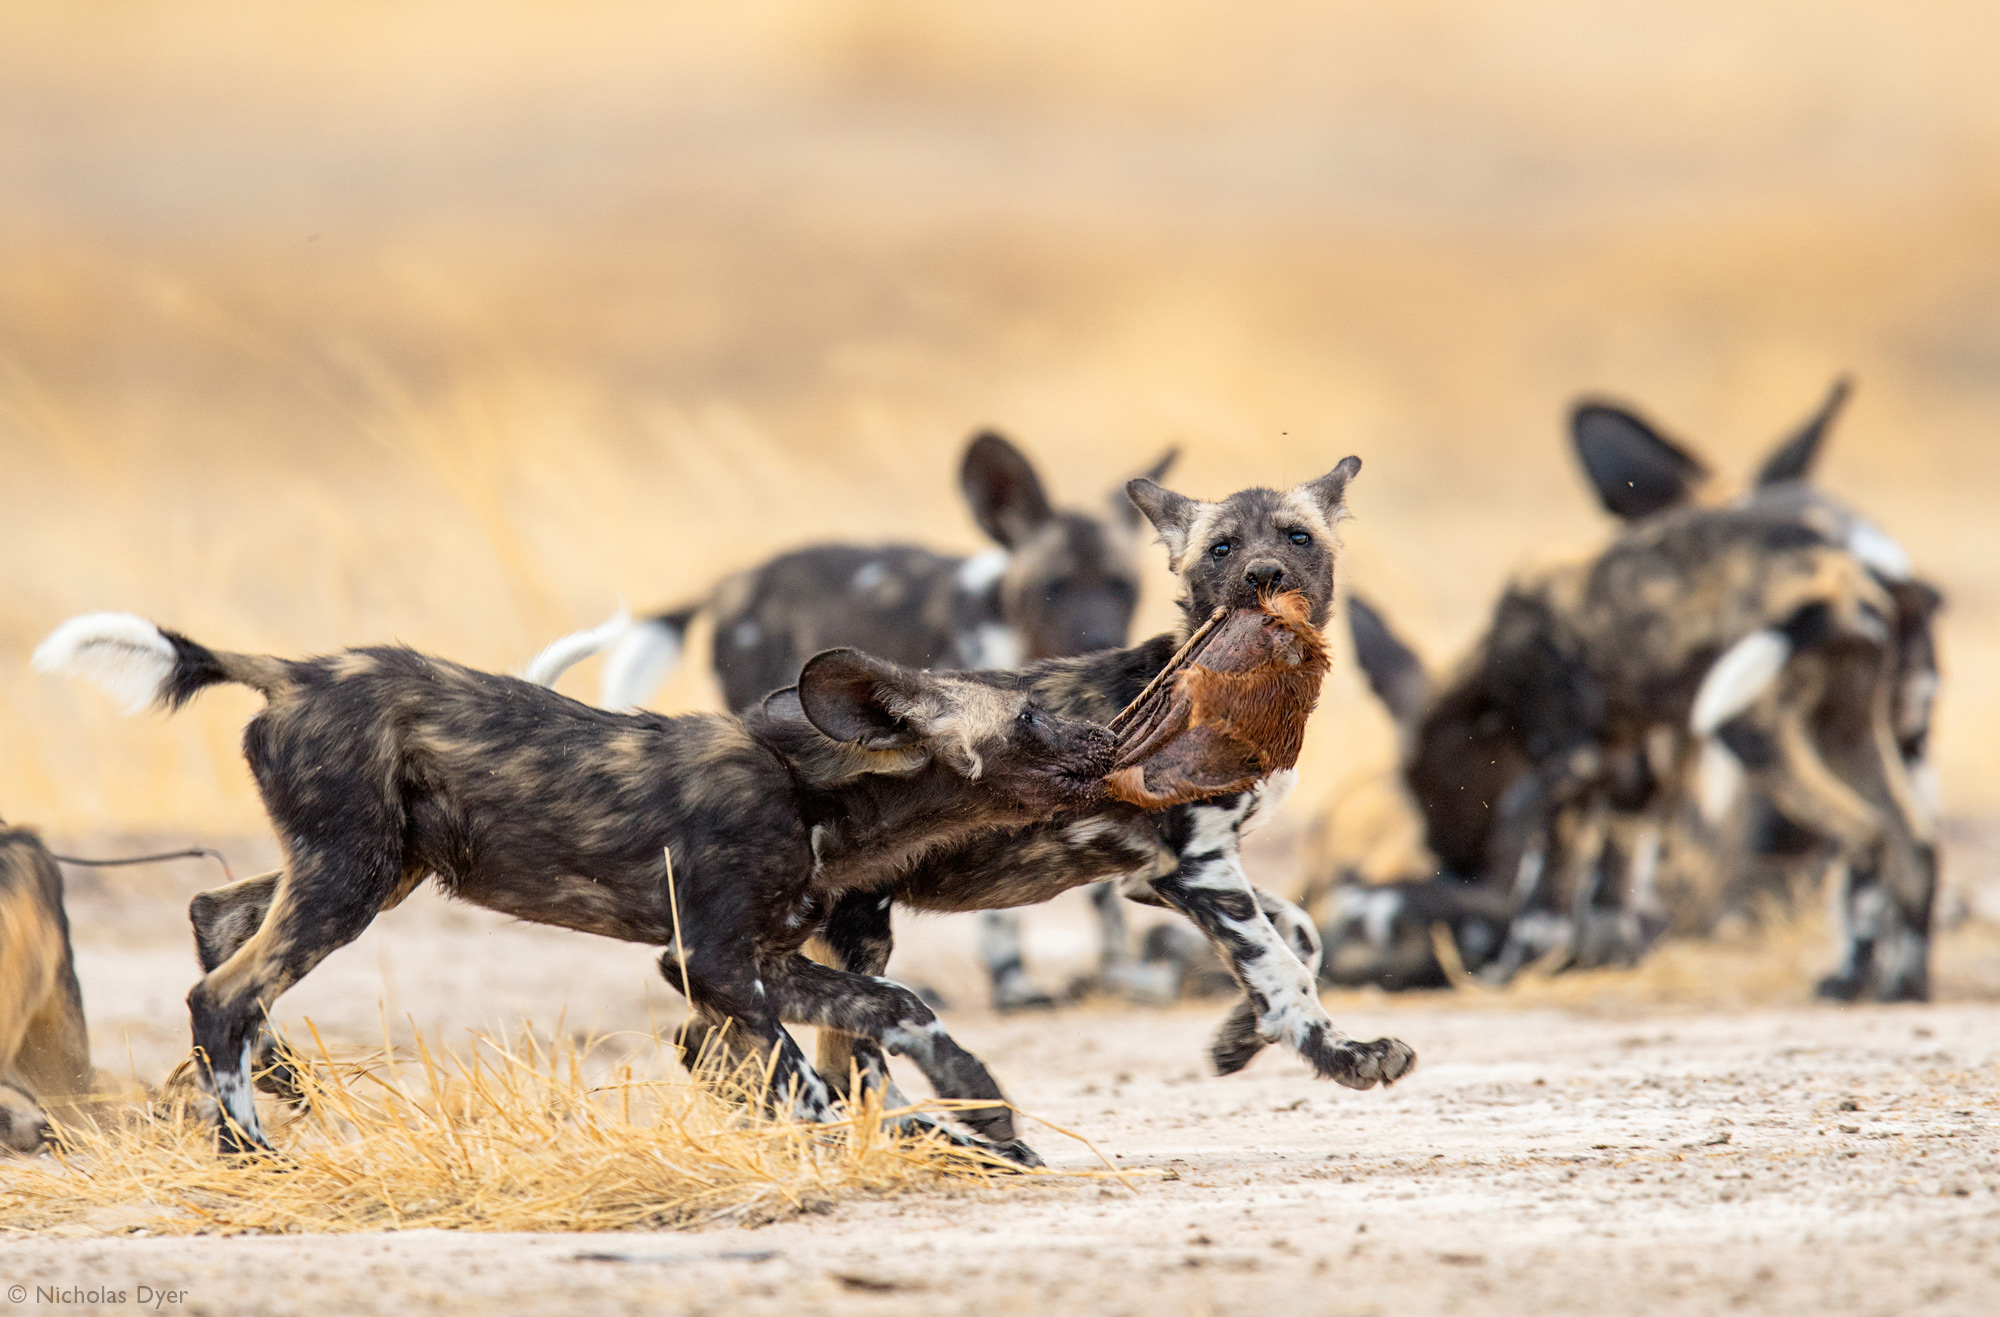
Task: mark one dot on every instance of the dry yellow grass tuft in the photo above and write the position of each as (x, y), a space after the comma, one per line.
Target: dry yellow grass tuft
(520, 1135)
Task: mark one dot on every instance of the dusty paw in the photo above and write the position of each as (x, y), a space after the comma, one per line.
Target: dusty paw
(1236, 1042)
(1362, 1065)
(1018, 1153)
(1838, 987)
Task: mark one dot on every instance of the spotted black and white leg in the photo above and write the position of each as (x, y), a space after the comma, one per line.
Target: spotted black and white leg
(883, 1011)
(859, 934)
(736, 1017)
(1210, 887)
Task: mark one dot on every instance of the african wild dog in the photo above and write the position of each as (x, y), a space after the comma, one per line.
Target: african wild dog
(381, 767)
(1557, 769)
(1186, 858)
(44, 1046)
(1057, 583)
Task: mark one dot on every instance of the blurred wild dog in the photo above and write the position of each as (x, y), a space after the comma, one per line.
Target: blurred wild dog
(1726, 696)
(44, 1045)
(1058, 583)
(1186, 858)
(381, 767)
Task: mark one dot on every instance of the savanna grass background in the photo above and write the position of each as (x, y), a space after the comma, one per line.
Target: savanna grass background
(455, 323)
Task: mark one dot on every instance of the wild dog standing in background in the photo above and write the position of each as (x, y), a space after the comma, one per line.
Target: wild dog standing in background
(382, 767)
(1186, 858)
(44, 1045)
(1560, 765)
(1059, 583)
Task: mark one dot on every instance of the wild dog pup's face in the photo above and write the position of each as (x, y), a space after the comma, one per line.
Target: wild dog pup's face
(1019, 760)
(1072, 581)
(1253, 543)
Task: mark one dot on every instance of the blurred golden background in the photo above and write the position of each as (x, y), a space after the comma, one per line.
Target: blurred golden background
(453, 323)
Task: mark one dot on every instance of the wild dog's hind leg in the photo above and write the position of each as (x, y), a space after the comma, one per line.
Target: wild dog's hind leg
(860, 1006)
(223, 919)
(1210, 888)
(1000, 953)
(320, 902)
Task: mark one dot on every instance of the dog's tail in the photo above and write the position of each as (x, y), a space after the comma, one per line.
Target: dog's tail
(642, 654)
(644, 657)
(565, 652)
(140, 663)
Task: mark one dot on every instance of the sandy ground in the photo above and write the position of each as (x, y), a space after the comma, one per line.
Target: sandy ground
(1785, 1158)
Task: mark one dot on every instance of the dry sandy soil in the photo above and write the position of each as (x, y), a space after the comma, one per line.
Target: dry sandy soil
(1603, 1158)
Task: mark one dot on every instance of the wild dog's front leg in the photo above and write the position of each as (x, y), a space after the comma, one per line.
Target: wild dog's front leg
(859, 936)
(735, 1021)
(1211, 889)
(864, 1007)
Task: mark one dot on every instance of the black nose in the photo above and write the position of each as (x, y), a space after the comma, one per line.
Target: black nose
(1265, 576)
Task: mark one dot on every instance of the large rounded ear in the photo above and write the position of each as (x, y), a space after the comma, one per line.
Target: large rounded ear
(856, 697)
(1173, 515)
(1121, 499)
(1330, 490)
(1394, 671)
(1635, 469)
(1003, 489)
(1794, 458)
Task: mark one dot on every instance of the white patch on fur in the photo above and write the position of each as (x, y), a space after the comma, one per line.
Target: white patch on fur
(1878, 552)
(638, 663)
(992, 645)
(1378, 916)
(868, 577)
(1924, 784)
(1744, 672)
(977, 574)
(565, 652)
(1090, 829)
(1216, 828)
(1293, 1014)
(121, 654)
(999, 940)
(1268, 797)
(746, 634)
(233, 1091)
(1719, 779)
(1645, 883)
(1918, 694)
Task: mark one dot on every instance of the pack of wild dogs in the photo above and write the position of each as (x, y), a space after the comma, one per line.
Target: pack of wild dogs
(1728, 701)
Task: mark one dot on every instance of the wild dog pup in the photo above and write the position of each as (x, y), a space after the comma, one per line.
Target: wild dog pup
(44, 1046)
(1230, 554)
(380, 767)
(1057, 582)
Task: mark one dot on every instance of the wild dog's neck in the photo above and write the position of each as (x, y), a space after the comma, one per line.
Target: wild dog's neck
(867, 829)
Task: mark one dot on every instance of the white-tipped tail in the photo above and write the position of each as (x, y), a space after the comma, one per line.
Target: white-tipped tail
(639, 662)
(564, 653)
(124, 655)
(1745, 671)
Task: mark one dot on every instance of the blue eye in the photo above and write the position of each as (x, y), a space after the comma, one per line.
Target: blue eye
(1300, 537)
(1220, 551)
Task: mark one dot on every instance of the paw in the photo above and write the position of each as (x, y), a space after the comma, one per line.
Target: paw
(1017, 992)
(1361, 1065)
(1017, 1152)
(1838, 987)
(1237, 1041)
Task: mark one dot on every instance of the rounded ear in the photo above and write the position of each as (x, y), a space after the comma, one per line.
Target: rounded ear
(1635, 470)
(1173, 515)
(1394, 671)
(851, 696)
(1003, 489)
(1121, 500)
(1330, 490)
(1794, 458)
